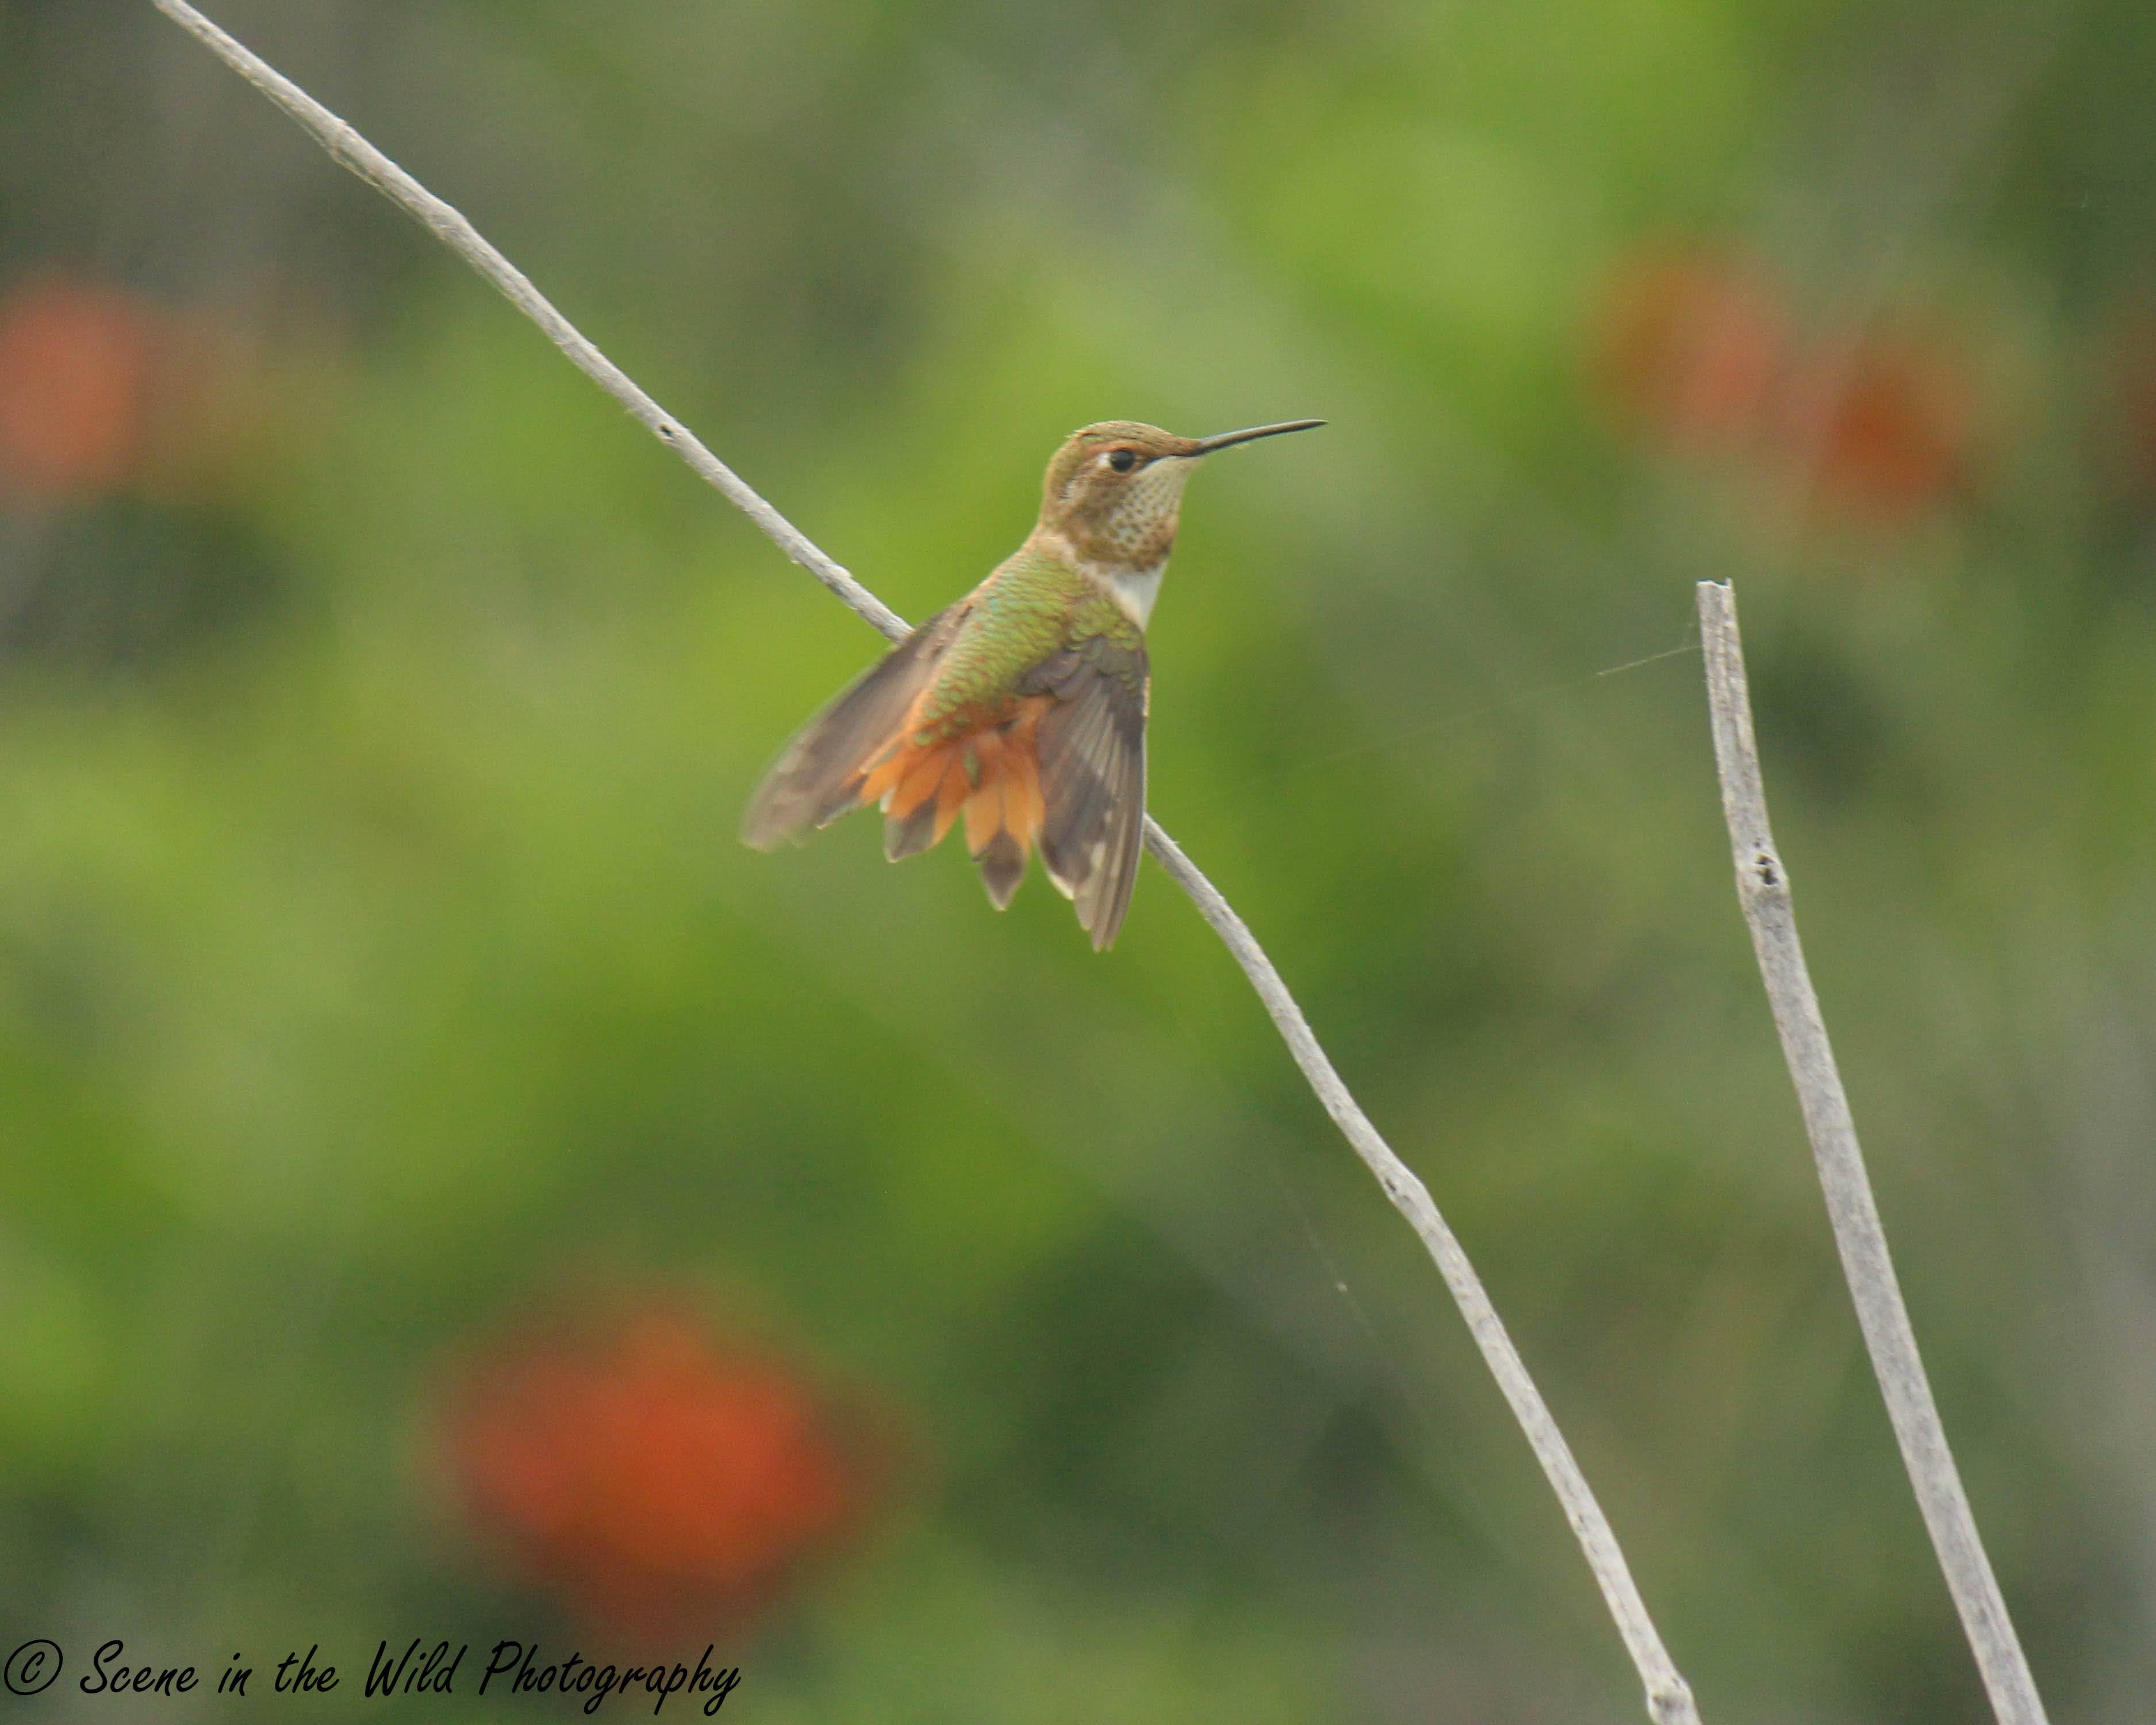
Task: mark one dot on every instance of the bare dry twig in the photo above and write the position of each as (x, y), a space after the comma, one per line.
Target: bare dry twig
(1763, 889)
(1669, 1698)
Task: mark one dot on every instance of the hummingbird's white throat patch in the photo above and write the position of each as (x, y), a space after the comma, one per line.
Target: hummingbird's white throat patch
(1133, 589)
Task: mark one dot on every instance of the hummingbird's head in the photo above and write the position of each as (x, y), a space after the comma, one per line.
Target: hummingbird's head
(1114, 489)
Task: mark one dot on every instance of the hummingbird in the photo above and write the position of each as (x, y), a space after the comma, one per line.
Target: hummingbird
(1021, 707)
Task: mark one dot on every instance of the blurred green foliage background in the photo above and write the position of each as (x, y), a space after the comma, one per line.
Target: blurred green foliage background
(378, 966)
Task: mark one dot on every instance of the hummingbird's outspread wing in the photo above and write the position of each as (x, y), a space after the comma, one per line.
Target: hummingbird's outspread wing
(1092, 768)
(817, 775)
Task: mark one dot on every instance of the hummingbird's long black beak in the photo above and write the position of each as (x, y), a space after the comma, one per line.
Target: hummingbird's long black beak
(1206, 445)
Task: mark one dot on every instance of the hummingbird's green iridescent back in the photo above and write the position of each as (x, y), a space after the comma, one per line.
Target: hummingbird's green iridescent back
(1035, 605)
(1023, 706)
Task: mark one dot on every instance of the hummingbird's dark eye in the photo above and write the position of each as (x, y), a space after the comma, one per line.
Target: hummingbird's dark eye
(1124, 461)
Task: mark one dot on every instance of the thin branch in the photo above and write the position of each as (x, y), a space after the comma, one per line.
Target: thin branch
(1763, 889)
(1669, 1698)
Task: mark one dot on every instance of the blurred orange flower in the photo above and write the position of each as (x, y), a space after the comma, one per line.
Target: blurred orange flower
(2132, 428)
(1882, 428)
(1689, 345)
(657, 1480)
(76, 360)
(104, 390)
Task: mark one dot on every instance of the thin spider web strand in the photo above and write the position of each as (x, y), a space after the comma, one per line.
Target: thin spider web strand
(1431, 727)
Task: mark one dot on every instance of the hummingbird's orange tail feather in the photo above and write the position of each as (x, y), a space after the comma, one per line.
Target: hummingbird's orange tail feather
(1025, 808)
(1005, 808)
(984, 807)
(951, 799)
(919, 799)
(924, 777)
(881, 780)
